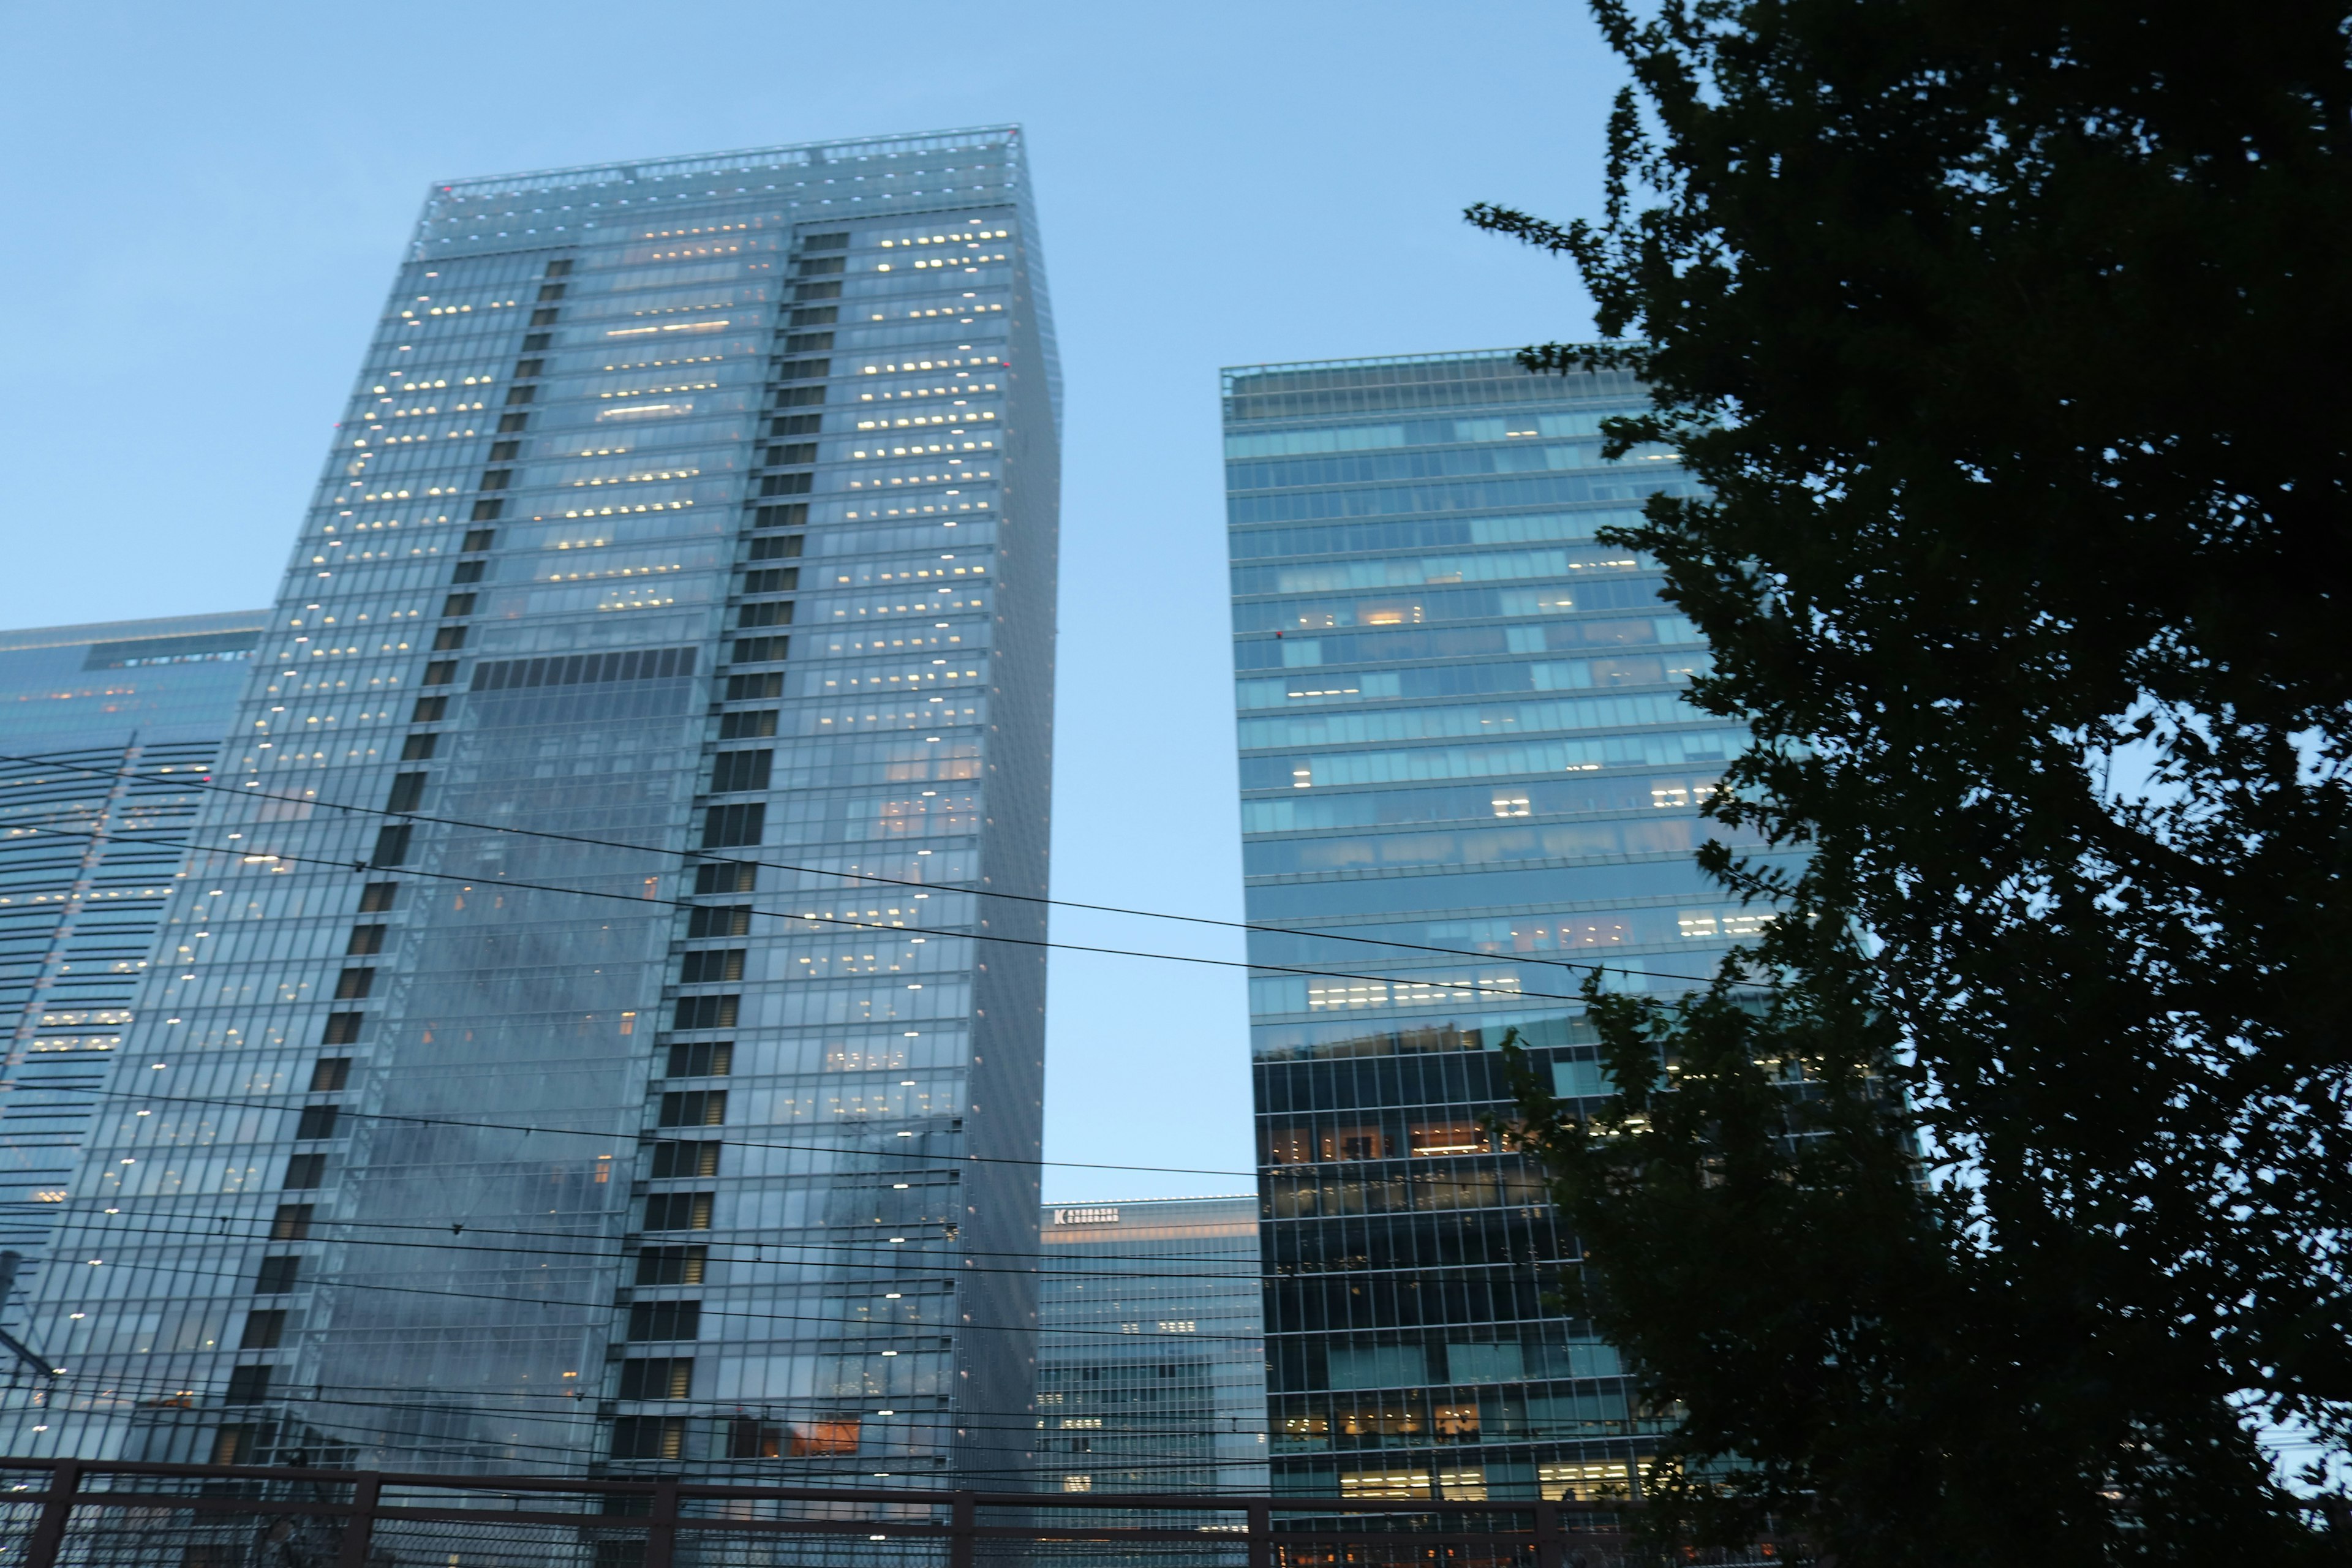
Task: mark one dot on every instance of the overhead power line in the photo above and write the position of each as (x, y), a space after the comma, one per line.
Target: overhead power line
(706, 856)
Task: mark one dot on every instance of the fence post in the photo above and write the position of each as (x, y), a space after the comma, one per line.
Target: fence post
(1548, 1544)
(661, 1530)
(359, 1530)
(963, 1517)
(1261, 1536)
(49, 1534)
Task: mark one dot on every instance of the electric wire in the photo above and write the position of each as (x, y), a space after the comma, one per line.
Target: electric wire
(704, 855)
(640, 899)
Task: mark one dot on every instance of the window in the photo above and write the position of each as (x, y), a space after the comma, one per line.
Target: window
(520, 394)
(678, 1211)
(541, 317)
(354, 984)
(702, 1058)
(406, 793)
(760, 650)
(776, 580)
(248, 1385)
(752, 688)
(304, 1171)
(685, 1160)
(657, 1377)
(706, 1012)
(509, 423)
(342, 1029)
(419, 748)
(457, 604)
(826, 241)
(264, 1326)
(834, 1435)
(786, 484)
(232, 1445)
(736, 771)
(527, 368)
(791, 514)
(724, 826)
(818, 266)
(719, 920)
(693, 1108)
(433, 710)
(505, 451)
(1584, 1482)
(748, 1437)
(670, 1266)
(277, 1276)
(648, 1437)
(560, 268)
(440, 672)
(808, 343)
(534, 341)
(724, 877)
(292, 1222)
(756, 724)
(476, 539)
(816, 316)
(486, 511)
(776, 548)
(497, 478)
(666, 1320)
(816, 292)
(796, 425)
(711, 966)
(378, 896)
(799, 397)
(798, 452)
(329, 1074)
(1433, 1138)
(317, 1122)
(446, 639)
(365, 941)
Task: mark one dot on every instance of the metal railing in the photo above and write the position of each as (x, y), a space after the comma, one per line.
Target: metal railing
(97, 1514)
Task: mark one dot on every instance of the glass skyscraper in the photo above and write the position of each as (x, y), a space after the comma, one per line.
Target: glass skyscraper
(1151, 1358)
(1461, 734)
(577, 1044)
(104, 731)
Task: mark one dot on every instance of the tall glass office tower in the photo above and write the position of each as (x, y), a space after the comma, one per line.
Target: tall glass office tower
(1460, 729)
(1152, 1359)
(106, 733)
(577, 1047)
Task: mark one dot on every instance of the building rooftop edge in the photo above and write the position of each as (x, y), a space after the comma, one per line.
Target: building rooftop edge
(25, 639)
(1138, 1203)
(482, 183)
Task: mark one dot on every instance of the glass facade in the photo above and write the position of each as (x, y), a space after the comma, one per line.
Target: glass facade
(103, 730)
(1150, 1355)
(1461, 734)
(578, 1049)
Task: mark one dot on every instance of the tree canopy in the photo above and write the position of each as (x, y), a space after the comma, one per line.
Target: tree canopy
(1979, 1212)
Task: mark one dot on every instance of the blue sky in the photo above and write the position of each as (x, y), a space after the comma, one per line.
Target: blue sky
(206, 203)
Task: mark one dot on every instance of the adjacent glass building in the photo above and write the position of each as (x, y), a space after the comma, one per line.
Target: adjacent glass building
(104, 731)
(574, 1045)
(1151, 1356)
(1461, 733)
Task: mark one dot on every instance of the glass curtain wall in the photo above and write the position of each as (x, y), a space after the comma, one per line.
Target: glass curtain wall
(1462, 733)
(579, 1053)
(1151, 1357)
(104, 730)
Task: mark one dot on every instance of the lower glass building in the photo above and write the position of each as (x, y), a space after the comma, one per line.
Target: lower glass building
(104, 730)
(1461, 734)
(1150, 1358)
(582, 1046)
